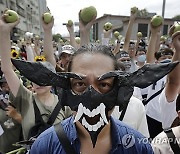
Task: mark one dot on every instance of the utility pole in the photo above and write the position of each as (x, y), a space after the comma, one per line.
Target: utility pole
(163, 8)
(163, 11)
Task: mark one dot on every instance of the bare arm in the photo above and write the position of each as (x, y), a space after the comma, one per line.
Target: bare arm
(85, 31)
(117, 47)
(152, 44)
(129, 30)
(5, 48)
(173, 78)
(72, 36)
(158, 42)
(48, 45)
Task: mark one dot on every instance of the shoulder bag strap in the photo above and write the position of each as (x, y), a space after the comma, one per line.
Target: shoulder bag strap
(172, 141)
(69, 149)
(153, 96)
(38, 117)
(123, 113)
(55, 112)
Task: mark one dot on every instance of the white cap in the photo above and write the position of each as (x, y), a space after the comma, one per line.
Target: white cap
(67, 49)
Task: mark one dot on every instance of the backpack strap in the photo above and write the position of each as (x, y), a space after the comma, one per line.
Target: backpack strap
(172, 141)
(66, 144)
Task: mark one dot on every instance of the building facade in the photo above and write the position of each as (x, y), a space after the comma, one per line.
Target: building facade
(120, 24)
(30, 12)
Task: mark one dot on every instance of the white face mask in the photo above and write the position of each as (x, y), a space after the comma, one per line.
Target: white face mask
(166, 61)
(141, 58)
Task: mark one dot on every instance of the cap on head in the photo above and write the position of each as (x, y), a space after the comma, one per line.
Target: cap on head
(67, 49)
(122, 54)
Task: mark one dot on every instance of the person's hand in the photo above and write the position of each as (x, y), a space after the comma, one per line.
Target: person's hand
(59, 66)
(48, 26)
(171, 32)
(133, 14)
(11, 111)
(175, 37)
(70, 28)
(7, 27)
(154, 29)
(85, 28)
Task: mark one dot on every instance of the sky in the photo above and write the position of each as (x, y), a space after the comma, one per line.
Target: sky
(64, 10)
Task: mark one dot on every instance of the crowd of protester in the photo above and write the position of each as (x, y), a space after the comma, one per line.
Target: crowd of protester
(150, 113)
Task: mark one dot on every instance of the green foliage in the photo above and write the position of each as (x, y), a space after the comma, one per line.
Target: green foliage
(56, 37)
(177, 17)
(142, 13)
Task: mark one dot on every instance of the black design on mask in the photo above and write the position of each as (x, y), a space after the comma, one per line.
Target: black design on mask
(91, 99)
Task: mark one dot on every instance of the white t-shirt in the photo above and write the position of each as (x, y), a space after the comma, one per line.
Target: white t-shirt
(1, 130)
(153, 106)
(160, 143)
(135, 116)
(167, 110)
(138, 92)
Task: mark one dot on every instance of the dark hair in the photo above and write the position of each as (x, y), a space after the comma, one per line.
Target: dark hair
(165, 51)
(140, 49)
(93, 49)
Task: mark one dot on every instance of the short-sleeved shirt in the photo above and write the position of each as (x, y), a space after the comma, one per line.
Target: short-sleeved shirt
(167, 110)
(24, 101)
(160, 143)
(153, 106)
(135, 116)
(125, 140)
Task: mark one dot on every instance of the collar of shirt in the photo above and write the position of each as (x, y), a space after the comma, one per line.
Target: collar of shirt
(116, 136)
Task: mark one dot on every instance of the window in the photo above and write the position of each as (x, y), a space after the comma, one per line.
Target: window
(143, 28)
(95, 31)
(1, 2)
(165, 29)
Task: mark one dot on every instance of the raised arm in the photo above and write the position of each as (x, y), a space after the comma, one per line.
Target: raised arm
(172, 88)
(48, 45)
(5, 48)
(85, 30)
(117, 47)
(155, 33)
(129, 31)
(157, 47)
(72, 35)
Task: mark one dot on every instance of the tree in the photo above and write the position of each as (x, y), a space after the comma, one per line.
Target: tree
(56, 37)
(177, 17)
(142, 13)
